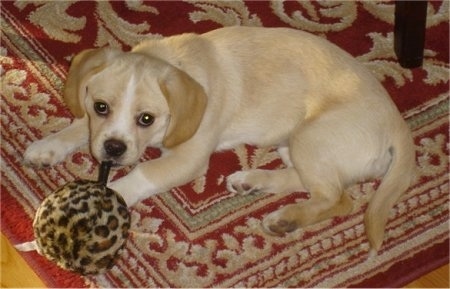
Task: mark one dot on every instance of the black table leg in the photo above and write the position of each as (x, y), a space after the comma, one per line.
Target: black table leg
(409, 32)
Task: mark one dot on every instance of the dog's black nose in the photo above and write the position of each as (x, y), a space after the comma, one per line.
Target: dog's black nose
(114, 148)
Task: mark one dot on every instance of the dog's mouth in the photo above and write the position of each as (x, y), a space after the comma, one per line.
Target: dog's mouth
(116, 152)
(115, 162)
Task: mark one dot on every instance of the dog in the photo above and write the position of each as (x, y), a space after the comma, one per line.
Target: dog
(191, 95)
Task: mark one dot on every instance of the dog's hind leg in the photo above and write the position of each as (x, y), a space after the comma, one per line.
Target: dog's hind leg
(318, 208)
(322, 152)
(264, 181)
(267, 181)
(330, 152)
(326, 200)
(321, 180)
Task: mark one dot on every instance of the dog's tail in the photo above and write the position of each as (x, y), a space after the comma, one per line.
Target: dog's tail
(399, 176)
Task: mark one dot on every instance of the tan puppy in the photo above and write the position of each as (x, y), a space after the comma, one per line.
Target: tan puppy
(191, 95)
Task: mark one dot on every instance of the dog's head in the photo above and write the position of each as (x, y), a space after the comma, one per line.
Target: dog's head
(133, 101)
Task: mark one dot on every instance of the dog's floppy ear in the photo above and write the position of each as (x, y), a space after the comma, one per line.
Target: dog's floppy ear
(187, 103)
(83, 66)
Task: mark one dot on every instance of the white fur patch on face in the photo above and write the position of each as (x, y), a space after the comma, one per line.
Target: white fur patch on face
(123, 111)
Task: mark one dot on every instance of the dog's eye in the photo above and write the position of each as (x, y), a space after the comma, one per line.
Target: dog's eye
(101, 108)
(145, 119)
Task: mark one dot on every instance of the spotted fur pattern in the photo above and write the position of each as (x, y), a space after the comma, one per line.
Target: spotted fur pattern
(82, 227)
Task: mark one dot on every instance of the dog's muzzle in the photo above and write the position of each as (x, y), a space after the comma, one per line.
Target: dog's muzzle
(114, 148)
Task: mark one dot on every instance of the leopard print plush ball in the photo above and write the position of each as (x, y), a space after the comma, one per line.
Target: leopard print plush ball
(82, 227)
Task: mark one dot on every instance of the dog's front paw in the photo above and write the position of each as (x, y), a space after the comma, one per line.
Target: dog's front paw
(245, 182)
(133, 187)
(126, 190)
(43, 154)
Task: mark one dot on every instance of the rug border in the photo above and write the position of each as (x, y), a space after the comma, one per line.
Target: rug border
(409, 269)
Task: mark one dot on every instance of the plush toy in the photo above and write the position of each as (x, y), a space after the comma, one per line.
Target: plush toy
(82, 226)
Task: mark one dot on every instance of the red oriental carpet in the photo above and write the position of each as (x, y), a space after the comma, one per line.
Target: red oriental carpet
(200, 235)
